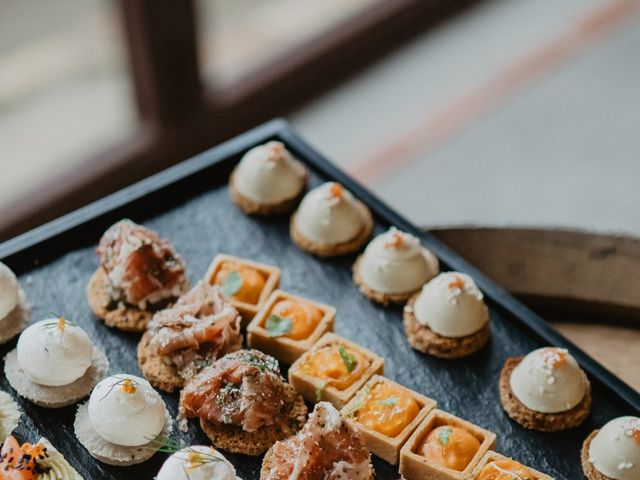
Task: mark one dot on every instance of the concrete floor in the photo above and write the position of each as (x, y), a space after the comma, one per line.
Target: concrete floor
(557, 147)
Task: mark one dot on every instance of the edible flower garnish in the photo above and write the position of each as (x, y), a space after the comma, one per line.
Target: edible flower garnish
(555, 357)
(59, 322)
(127, 385)
(278, 326)
(349, 360)
(232, 284)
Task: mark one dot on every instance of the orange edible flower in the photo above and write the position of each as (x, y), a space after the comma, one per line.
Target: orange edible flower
(128, 386)
(195, 460)
(457, 282)
(61, 324)
(397, 242)
(336, 190)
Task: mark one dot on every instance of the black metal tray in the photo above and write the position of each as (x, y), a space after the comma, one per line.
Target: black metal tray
(189, 205)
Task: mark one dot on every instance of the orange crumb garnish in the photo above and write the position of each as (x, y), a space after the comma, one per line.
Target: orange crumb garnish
(276, 151)
(636, 435)
(336, 190)
(61, 323)
(128, 386)
(556, 357)
(397, 242)
(457, 282)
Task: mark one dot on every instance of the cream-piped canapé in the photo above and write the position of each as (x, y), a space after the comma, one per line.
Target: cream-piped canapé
(197, 463)
(393, 267)
(545, 390)
(267, 180)
(331, 221)
(122, 419)
(448, 317)
(55, 363)
(613, 452)
(15, 311)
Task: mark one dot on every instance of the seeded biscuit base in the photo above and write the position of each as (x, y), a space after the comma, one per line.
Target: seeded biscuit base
(587, 467)
(55, 397)
(160, 374)
(334, 249)
(543, 422)
(108, 452)
(122, 316)
(233, 439)
(425, 340)
(251, 207)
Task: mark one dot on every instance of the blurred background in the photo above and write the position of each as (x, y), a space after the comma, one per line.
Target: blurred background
(492, 113)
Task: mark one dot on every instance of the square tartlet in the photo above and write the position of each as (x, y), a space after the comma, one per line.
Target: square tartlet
(415, 467)
(271, 276)
(313, 389)
(491, 456)
(386, 447)
(286, 349)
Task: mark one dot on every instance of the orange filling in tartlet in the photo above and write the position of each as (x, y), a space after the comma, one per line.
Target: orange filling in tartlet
(337, 365)
(387, 409)
(450, 447)
(302, 318)
(505, 469)
(240, 282)
(20, 462)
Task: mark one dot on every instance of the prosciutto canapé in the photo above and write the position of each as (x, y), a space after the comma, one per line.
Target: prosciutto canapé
(243, 388)
(141, 266)
(326, 448)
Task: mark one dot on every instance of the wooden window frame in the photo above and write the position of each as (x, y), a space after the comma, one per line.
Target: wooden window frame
(181, 116)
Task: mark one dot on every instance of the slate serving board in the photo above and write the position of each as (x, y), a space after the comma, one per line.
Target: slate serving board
(189, 205)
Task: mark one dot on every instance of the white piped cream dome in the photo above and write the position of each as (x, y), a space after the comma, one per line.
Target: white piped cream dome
(451, 305)
(9, 291)
(396, 262)
(329, 214)
(615, 449)
(549, 380)
(269, 174)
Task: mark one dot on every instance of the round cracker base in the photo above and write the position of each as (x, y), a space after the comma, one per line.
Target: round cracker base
(268, 462)
(55, 397)
(160, 374)
(385, 298)
(250, 207)
(587, 467)
(233, 439)
(9, 415)
(334, 249)
(425, 340)
(17, 320)
(543, 422)
(127, 318)
(108, 452)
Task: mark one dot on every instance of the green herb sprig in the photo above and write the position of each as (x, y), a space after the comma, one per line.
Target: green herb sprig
(232, 284)
(349, 360)
(278, 326)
